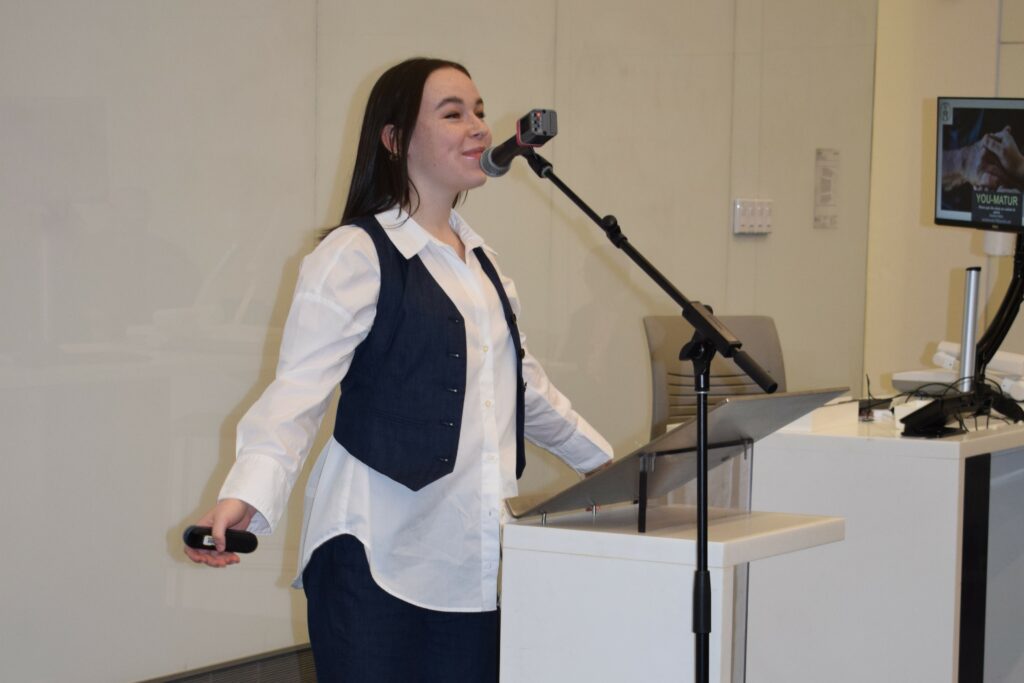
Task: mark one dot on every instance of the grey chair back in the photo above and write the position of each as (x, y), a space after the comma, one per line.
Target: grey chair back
(673, 397)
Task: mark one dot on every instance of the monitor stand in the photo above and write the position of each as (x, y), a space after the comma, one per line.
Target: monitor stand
(931, 420)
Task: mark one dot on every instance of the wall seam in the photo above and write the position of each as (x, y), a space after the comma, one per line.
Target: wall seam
(760, 138)
(316, 107)
(730, 240)
(548, 341)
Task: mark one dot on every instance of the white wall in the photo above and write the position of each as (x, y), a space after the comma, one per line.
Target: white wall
(165, 165)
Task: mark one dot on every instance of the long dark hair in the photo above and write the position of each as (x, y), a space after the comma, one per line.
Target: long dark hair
(380, 179)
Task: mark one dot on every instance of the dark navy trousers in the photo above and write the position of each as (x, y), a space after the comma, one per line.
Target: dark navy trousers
(361, 634)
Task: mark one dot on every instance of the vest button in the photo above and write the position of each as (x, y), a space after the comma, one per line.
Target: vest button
(448, 423)
(455, 354)
(454, 390)
(455, 319)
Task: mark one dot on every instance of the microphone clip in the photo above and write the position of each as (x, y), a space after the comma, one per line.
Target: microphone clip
(537, 127)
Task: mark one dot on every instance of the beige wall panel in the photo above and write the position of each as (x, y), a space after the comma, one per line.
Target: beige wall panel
(157, 163)
(915, 269)
(799, 24)
(749, 26)
(809, 87)
(644, 100)
(1011, 29)
(745, 161)
(812, 280)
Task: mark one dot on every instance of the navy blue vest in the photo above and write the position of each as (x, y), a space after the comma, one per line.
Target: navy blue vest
(400, 410)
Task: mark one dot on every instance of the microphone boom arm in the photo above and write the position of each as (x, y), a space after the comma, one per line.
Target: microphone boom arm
(699, 316)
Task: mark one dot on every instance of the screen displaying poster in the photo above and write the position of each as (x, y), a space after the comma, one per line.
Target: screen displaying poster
(979, 165)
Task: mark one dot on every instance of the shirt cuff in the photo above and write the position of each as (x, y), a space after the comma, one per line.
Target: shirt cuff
(262, 483)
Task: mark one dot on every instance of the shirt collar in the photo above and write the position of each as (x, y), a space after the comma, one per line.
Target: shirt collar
(410, 238)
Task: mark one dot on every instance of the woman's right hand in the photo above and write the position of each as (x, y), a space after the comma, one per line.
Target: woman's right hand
(229, 513)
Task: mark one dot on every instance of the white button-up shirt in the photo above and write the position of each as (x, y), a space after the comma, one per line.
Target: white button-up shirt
(438, 547)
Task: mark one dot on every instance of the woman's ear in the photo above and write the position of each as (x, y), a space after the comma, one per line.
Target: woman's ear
(389, 138)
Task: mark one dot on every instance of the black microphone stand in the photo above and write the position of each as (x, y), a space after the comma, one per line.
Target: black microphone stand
(710, 336)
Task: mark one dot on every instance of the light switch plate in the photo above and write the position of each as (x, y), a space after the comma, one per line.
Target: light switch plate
(751, 216)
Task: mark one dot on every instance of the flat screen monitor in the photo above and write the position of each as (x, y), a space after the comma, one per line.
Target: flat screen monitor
(979, 163)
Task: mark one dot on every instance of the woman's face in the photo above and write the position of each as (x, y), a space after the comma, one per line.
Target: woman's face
(449, 137)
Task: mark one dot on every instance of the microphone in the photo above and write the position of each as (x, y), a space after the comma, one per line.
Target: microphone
(533, 130)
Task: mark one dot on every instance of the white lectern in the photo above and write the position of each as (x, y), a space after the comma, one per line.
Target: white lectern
(587, 598)
(606, 595)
